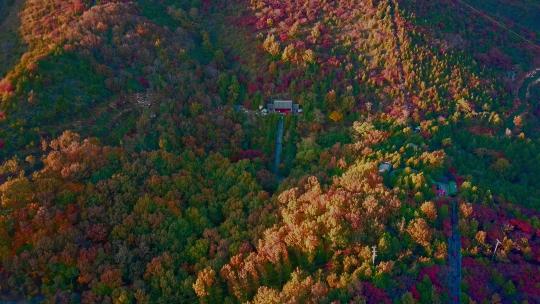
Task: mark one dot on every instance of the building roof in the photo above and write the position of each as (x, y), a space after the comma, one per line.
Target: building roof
(283, 104)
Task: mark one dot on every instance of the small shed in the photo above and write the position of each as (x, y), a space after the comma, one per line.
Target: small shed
(385, 167)
(445, 188)
(411, 145)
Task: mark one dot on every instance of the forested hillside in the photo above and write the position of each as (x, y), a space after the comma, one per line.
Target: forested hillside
(136, 164)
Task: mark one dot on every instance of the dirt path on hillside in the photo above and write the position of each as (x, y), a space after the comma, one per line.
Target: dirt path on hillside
(406, 105)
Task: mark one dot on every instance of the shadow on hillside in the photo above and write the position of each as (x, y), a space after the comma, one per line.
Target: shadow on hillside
(63, 93)
(11, 44)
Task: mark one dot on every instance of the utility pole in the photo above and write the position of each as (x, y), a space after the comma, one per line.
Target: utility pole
(496, 247)
(373, 254)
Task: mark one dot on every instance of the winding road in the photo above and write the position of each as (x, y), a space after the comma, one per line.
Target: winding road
(531, 78)
(454, 257)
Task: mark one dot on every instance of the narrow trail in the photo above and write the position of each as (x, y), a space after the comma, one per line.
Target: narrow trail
(454, 257)
(398, 54)
(499, 24)
(279, 145)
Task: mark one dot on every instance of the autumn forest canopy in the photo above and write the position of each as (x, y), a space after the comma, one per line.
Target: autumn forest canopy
(140, 161)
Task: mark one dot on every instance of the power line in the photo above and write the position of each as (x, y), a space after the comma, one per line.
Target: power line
(501, 25)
